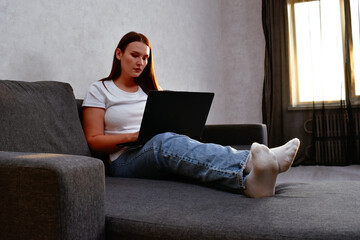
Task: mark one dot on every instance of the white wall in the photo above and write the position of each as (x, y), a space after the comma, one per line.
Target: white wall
(198, 45)
(243, 61)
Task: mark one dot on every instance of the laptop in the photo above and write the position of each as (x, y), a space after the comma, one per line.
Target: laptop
(174, 111)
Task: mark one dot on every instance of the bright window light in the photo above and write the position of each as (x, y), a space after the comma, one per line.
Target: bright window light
(319, 51)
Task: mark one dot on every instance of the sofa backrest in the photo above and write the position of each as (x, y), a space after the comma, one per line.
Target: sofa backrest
(40, 117)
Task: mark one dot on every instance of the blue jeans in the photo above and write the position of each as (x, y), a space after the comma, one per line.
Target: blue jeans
(173, 154)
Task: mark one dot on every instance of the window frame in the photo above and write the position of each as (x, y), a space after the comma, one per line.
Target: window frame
(349, 65)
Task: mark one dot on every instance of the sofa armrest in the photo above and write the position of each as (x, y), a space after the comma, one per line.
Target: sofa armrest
(239, 136)
(51, 196)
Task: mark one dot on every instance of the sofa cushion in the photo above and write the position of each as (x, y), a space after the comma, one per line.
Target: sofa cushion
(155, 209)
(40, 117)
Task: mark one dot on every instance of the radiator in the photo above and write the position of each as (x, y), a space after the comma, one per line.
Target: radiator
(332, 142)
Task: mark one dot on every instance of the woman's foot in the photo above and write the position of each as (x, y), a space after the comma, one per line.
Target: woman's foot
(263, 170)
(286, 153)
(265, 164)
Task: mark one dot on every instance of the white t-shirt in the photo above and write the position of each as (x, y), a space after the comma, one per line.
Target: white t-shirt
(123, 110)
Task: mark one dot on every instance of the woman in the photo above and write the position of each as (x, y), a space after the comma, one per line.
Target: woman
(112, 114)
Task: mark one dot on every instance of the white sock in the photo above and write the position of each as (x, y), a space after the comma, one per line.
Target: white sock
(264, 169)
(286, 153)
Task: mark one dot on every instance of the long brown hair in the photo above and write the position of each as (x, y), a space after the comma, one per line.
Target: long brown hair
(147, 80)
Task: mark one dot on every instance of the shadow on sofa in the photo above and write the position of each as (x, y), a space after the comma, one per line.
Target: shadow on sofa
(53, 188)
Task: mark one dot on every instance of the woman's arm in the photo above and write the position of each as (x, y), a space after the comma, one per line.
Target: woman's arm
(93, 122)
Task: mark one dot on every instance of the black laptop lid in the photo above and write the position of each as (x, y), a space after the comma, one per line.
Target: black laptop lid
(173, 111)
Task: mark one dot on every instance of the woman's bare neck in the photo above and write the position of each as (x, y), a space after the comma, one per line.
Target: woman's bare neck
(126, 84)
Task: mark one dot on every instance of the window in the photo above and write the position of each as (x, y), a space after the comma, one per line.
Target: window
(319, 46)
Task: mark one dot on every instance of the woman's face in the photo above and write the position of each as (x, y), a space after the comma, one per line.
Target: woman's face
(134, 59)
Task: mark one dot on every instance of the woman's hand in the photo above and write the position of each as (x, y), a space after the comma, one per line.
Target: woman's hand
(93, 123)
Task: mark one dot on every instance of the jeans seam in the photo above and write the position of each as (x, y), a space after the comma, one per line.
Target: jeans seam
(195, 162)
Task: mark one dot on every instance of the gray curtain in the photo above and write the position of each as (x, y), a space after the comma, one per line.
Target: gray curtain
(274, 16)
(343, 138)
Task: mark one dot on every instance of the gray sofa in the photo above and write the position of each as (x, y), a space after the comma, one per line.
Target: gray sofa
(53, 188)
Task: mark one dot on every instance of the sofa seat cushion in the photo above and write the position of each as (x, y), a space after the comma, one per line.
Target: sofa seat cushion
(157, 209)
(40, 117)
